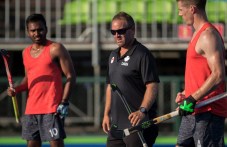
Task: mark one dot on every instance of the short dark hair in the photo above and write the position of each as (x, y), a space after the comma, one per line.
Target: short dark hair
(200, 4)
(35, 18)
(125, 16)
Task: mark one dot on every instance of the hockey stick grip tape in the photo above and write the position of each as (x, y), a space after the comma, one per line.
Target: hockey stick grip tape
(16, 111)
(162, 118)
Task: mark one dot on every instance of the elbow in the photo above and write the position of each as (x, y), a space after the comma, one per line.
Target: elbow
(71, 78)
(220, 78)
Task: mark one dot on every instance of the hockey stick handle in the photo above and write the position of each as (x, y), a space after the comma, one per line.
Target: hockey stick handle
(162, 118)
(11, 84)
(176, 113)
(211, 100)
(16, 110)
(165, 117)
(116, 89)
(170, 115)
(123, 100)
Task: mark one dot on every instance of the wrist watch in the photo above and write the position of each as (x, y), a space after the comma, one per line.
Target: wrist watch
(143, 110)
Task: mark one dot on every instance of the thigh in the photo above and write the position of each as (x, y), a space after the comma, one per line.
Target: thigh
(150, 135)
(133, 140)
(30, 128)
(186, 131)
(111, 142)
(209, 130)
(51, 127)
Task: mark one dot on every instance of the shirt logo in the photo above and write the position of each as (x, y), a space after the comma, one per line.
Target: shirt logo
(112, 60)
(125, 62)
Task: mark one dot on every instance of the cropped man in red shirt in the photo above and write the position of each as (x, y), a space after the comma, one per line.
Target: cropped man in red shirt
(204, 78)
(47, 101)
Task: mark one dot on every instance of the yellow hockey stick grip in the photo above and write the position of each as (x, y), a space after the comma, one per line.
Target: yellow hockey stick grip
(15, 107)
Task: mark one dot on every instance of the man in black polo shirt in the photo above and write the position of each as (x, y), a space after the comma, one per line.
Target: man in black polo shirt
(132, 68)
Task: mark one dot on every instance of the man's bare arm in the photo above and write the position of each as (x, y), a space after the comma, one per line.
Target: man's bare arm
(59, 52)
(211, 47)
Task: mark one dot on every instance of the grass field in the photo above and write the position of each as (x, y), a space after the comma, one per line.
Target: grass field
(84, 141)
(81, 140)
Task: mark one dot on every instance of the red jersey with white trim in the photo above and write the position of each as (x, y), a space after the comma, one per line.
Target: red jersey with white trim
(44, 82)
(196, 73)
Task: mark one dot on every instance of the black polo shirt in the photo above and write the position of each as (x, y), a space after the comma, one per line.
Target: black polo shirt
(130, 73)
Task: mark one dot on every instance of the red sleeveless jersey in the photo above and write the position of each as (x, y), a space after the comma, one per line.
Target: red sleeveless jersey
(44, 82)
(196, 73)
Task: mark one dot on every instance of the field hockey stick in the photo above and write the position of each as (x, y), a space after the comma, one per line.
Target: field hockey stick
(116, 89)
(5, 56)
(165, 117)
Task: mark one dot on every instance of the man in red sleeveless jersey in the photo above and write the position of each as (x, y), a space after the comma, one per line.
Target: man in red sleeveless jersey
(47, 101)
(204, 78)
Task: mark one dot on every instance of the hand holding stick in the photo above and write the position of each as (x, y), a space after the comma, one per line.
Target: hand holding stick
(168, 116)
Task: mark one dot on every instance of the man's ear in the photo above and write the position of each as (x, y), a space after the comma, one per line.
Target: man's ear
(193, 9)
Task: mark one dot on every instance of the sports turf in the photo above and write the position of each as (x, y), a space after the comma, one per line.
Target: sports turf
(82, 140)
(85, 139)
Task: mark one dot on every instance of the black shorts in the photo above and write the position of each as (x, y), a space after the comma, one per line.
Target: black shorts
(42, 127)
(133, 140)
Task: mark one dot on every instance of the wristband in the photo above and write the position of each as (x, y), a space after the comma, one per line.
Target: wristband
(65, 103)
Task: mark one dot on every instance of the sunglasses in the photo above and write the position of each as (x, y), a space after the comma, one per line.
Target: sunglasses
(120, 31)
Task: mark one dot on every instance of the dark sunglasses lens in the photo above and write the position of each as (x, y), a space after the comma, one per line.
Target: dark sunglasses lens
(113, 32)
(120, 32)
